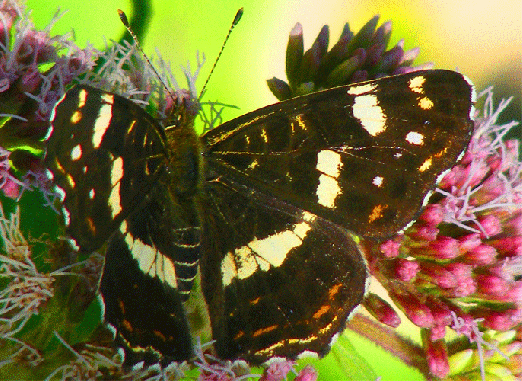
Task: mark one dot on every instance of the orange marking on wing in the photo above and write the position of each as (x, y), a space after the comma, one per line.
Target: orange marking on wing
(377, 212)
(160, 335)
(262, 331)
(127, 325)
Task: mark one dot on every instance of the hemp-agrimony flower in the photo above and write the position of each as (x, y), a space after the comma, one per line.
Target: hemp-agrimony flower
(353, 58)
(461, 259)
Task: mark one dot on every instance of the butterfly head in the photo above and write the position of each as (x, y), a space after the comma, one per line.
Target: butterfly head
(181, 109)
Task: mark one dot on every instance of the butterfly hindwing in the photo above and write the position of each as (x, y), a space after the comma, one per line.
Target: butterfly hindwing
(363, 156)
(150, 266)
(280, 280)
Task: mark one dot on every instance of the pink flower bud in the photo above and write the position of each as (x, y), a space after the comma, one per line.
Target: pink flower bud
(432, 215)
(444, 248)
(381, 310)
(437, 356)
(406, 270)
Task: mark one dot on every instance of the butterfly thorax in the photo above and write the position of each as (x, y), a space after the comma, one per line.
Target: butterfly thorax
(185, 164)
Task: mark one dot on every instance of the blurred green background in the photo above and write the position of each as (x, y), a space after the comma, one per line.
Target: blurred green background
(482, 39)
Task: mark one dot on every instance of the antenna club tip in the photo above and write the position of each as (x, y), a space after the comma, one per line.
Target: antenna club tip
(239, 13)
(123, 17)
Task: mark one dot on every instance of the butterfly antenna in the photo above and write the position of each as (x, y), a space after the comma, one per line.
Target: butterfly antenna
(125, 21)
(239, 13)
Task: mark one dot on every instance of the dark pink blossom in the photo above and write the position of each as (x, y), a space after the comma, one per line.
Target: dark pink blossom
(462, 259)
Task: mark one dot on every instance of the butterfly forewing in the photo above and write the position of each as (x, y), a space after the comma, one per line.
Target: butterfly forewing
(361, 156)
(105, 154)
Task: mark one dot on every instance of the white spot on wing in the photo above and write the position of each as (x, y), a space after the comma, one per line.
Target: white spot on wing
(425, 103)
(377, 181)
(301, 229)
(426, 198)
(103, 120)
(66, 216)
(151, 261)
(49, 175)
(115, 196)
(60, 192)
(263, 254)
(52, 116)
(51, 128)
(362, 89)
(117, 171)
(76, 152)
(82, 98)
(327, 191)
(414, 137)
(108, 98)
(277, 245)
(228, 269)
(416, 84)
(73, 244)
(366, 108)
(473, 97)
(329, 164)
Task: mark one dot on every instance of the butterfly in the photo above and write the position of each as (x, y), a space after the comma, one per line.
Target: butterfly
(260, 212)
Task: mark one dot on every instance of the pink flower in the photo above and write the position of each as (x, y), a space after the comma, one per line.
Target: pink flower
(437, 356)
(307, 374)
(277, 371)
(465, 247)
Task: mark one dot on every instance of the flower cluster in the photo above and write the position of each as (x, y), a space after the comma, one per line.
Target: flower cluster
(27, 289)
(459, 265)
(353, 58)
(34, 69)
